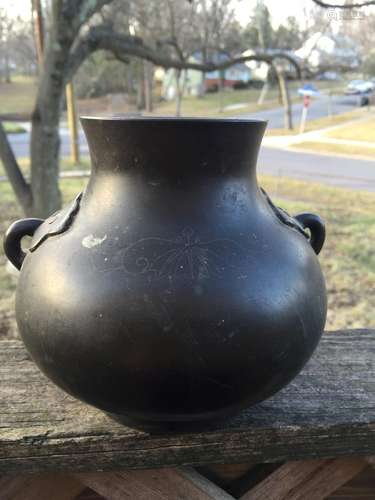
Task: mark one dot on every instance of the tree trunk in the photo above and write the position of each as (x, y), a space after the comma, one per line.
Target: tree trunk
(45, 140)
(263, 93)
(140, 87)
(72, 123)
(220, 90)
(20, 186)
(7, 74)
(288, 118)
(129, 80)
(202, 86)
(179, 90)
(148, 83)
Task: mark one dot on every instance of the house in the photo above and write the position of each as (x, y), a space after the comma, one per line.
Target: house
(193, 81)
(329, 50)
(259, 69)
(234, 76)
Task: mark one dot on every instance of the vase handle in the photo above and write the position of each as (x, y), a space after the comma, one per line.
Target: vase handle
(13, 238)
(316, 227)
(301, 222)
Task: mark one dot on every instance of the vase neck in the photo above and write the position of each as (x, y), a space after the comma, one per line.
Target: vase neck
(173, 148)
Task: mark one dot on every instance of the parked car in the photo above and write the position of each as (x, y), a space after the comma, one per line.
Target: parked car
(358, 87)
(366, 99)
(329, 76)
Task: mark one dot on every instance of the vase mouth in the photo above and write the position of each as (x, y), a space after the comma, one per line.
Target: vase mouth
(171, 119)
(172, 146)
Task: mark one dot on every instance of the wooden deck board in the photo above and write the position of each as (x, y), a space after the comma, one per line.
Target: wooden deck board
(327, 411)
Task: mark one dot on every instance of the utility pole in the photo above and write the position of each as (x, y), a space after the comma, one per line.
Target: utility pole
(38, 30)
(72, 123)
(71, 111)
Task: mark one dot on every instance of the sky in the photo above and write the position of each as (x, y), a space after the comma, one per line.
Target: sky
(280, 9)
(17, 7)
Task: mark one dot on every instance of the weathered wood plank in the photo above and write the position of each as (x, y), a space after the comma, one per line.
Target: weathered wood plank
(279, 484)
(361, 487)
(327, 411)
(46, 487)
(312, 479)
(156, 484)
(225, 474)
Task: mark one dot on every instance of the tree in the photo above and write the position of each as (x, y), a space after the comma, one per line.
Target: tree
(288, 36)
(6, 27)
(101, 74)
(198, 30)
(259, 32)
(346, 5)
(77, 29)
(362, 31)
(368, 66)
(262, 20)
(22, 47)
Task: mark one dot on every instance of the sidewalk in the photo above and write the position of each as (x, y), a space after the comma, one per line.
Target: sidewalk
(288, 141)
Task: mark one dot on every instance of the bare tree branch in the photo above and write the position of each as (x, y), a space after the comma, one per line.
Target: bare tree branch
(81, 11)
(89, 8)
(358, 5)
(13, 171)
(124, 46)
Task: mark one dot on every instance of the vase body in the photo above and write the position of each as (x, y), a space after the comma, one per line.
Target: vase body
(171, 291)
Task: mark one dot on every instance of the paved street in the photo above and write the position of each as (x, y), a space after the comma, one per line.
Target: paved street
(318, 109)
(331, 170)
(20, 143)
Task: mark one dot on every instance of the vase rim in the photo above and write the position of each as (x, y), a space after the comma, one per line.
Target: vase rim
(171, 119)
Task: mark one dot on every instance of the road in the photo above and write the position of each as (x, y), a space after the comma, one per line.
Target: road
(318, 109)
(336, 171)
(332, 170)
(20, 143)
(275, 117)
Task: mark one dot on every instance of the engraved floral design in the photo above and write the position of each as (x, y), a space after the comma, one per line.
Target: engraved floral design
(186, 254)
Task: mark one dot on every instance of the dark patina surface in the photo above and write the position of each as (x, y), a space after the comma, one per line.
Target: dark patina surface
(173, 290)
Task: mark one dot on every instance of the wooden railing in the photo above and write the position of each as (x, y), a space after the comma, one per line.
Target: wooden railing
(314, 435)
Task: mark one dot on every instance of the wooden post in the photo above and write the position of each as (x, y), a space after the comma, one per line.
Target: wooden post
(283, 84)
(330, 103)
(38, 30)
(263, 93)
(303, 120)
(305, 107)
(72, 123)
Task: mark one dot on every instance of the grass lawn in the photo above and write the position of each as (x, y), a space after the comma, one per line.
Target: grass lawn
(66, 164)
(348, 258)
(321, 123)
(18, 96)
(13, 128)
(210, 104)
(344, 149)
(363, 131)
(10, 211)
